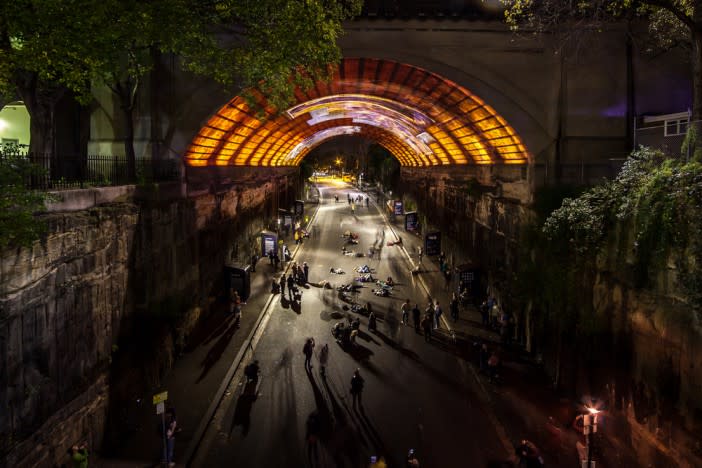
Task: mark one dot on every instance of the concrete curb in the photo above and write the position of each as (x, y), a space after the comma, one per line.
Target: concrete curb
(249, 344)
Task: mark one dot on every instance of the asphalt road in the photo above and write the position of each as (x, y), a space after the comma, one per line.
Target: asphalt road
(417, 395)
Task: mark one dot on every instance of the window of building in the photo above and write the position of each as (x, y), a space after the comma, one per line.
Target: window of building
(675, 127)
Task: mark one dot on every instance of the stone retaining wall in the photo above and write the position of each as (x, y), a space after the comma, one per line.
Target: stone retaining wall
(77, 303)
(646, 344)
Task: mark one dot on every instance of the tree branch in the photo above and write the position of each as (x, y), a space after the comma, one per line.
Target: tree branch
(670, 6)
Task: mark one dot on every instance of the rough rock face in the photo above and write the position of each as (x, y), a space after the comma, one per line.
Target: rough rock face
(648, 338)
(481, 219)
(68, 307)
(58, 304)
(660, 340)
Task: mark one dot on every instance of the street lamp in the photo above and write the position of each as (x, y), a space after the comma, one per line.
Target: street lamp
(589, 428)
(338, 163)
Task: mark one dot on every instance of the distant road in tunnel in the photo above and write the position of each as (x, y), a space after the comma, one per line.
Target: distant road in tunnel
(417, 395)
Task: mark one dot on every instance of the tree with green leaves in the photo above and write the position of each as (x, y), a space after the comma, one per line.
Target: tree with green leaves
(43, 52)
(51, 46)
(271, 45)
(18, 225)
(671, 23)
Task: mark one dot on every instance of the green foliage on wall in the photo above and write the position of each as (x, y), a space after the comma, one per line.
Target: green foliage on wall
(18, 225)
(660, 200)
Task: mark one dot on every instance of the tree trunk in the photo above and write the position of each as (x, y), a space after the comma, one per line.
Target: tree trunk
(40, 103)
(127, 105)
(40, 106)
(155, 111)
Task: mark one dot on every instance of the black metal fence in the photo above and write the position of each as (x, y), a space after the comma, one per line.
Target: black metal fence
(55, 172)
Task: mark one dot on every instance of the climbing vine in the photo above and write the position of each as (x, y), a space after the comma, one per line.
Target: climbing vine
(658, 198)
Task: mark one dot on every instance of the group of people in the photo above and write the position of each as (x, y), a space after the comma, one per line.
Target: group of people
(357, 200)
(299, 274)
(357, 381)
(495, 317)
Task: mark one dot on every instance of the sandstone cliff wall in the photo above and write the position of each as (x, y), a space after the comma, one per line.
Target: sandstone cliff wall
(642, 353)
(75, 309)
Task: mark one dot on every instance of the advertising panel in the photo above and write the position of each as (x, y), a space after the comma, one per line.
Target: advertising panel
(268, 243)
(398, 209)
(432, 243)
(411, 221)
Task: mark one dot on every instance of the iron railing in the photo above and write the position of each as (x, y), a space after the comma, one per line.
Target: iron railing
(56, 172)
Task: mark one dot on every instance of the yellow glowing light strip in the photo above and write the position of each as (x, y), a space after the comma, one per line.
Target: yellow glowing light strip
(462, 127)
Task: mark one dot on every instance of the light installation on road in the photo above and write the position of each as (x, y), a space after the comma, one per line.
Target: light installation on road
(420, 117)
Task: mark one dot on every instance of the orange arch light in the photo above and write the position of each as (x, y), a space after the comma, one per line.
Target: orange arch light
(420, 117)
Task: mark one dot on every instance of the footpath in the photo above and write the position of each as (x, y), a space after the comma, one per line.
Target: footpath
(523, 402)
(199, 376)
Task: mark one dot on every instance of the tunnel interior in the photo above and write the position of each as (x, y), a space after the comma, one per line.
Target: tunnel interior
(420, 117)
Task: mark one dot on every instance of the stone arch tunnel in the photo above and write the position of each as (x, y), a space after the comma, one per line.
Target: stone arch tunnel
(452, 102)
(442, 134)
(422, 118)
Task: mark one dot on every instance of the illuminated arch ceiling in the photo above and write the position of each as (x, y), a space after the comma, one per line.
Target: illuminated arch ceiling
(420, 117)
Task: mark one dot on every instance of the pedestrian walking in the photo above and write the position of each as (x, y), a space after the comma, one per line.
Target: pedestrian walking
(485, 313)
(307, 350)
(291, 284)
(405, 312)
(416, 317)
(323, 359)
(306, 272)
(426, 326)
(429, 311)
(437, 315)
(483, 357)
(171, 428)
(372, 323)
(447, 277)
(282, 286)
(453, 307)
(357, 388)
(420, 253)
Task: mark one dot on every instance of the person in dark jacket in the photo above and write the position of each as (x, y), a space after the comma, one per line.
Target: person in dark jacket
(357, 388)
(416, 317)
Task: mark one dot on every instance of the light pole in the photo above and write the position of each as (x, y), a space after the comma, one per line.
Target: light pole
(590, 428)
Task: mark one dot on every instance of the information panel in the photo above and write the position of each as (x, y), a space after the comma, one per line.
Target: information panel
(432, 243)
(268, 243)
(411, 221)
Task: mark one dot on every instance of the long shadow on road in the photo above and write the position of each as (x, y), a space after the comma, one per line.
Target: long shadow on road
(215, 353)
